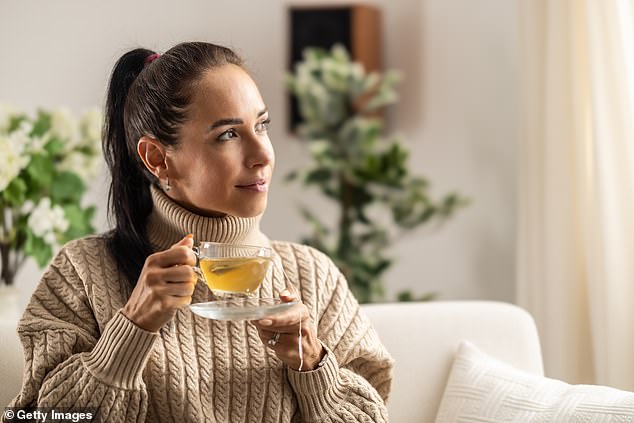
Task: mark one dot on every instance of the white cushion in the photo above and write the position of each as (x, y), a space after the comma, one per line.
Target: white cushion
(423, 338)
(484, 389)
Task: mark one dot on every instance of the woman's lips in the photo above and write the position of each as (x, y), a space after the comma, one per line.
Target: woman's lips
(257, 186)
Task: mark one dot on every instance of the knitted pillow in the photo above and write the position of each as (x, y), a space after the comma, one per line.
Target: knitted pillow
(484, 389)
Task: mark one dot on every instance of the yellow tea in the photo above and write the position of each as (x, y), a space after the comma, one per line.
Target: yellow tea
(231, 275)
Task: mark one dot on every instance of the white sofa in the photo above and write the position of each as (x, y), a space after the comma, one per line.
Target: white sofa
(11, 359)
(423, 338)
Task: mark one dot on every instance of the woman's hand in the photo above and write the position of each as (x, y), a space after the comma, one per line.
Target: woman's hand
(281, 333)
(166, 284)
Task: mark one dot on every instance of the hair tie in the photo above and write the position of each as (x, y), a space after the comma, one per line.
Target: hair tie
(151, 58)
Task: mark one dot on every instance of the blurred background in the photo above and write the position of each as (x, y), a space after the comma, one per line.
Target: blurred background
(457, 111)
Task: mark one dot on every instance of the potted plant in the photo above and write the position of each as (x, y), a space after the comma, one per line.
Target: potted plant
(46, 161)
(366, 175)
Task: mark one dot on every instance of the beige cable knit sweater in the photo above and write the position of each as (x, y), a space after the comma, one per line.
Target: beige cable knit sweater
(80, 351)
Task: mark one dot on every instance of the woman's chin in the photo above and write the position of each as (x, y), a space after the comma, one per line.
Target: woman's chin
(244, 211)
(246, 214)
(241, 212)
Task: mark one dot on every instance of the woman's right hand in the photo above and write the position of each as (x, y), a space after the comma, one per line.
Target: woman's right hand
(166, 284)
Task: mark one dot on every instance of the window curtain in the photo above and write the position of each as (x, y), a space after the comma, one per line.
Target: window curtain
(576, 186)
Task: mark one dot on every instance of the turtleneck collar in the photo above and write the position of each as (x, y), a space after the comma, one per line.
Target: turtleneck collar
(169, 222)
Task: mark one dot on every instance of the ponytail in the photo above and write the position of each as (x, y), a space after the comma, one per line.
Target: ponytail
(148, 95)
(129, 199)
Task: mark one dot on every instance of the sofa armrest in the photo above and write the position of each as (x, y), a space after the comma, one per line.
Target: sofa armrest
(423, 338)
(12, 362)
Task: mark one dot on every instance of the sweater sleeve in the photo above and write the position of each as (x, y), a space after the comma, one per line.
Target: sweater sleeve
(354, 382)
(69, 362)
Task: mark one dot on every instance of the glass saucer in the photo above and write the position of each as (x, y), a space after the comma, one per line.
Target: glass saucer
(240, 308)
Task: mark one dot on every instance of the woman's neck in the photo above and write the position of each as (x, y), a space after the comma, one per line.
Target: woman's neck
(170, 222)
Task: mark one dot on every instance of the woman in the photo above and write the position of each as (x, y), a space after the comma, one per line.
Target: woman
(186, 142)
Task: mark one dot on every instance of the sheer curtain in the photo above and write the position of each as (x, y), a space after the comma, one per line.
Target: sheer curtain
(576, 218)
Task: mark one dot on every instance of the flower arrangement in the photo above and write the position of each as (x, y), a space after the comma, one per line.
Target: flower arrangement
(46, 161)
(366, 175)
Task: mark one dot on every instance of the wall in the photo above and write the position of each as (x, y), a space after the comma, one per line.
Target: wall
(457, 111)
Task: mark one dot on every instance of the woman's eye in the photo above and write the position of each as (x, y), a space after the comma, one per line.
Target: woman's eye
(227, 135)
(263, 126)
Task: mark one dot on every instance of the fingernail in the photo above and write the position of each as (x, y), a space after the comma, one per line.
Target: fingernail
(189, 236)
(265, 322)
(285, 293)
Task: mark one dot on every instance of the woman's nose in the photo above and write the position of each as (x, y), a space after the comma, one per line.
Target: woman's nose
(260, 152)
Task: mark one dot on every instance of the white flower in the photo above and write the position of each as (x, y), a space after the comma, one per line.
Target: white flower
(65, 127)
(6, 114)
(45, 221)
(12, 156)
(40, 221)
(27, 207)
(36, 144)
(90, 127)
(339, 53)
(50, 238)
(60, 223)
(83, 165)
(24, 129)
(60, 142)
(32, 145)
(335, 75)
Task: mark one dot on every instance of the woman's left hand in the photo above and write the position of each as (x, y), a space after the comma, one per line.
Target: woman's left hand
(281, 333)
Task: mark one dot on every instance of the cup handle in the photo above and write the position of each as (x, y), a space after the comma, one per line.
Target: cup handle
(196, 268)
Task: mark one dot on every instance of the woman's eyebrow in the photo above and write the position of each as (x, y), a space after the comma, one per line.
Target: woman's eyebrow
(231, 121)
(223, 122)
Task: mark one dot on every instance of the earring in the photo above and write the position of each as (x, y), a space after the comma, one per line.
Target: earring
(167, 184)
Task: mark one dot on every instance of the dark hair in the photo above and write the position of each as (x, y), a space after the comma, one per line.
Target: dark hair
(146, 100)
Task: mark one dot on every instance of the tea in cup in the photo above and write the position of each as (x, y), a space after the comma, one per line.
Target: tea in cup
(233, 270)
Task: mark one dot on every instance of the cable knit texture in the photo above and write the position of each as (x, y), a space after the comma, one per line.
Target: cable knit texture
(80, 351)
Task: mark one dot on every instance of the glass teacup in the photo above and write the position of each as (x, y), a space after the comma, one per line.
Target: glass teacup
(232, 270)
(233, 273)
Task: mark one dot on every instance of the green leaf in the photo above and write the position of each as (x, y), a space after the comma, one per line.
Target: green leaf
(80, 222)
(54, 146)
(42, 124)
(360, 196)
(40, 169)
(67, 188)
(15, 121)
(408, 295)
(405, 295)
(38, 249)
(318, 175)
(15, 193)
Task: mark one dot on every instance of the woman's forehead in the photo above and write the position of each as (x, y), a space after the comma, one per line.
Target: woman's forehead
(227, 89)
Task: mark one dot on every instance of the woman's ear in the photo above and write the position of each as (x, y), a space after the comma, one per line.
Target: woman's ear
(153, 155)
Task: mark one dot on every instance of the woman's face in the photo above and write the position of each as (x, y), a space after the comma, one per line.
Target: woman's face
(224, 162)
